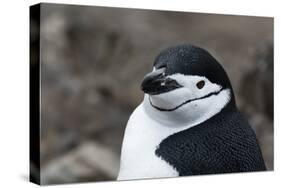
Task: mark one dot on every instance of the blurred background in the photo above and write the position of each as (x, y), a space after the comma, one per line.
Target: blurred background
(94, 58)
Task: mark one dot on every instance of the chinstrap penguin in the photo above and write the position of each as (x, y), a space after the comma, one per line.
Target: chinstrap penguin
(188, 122)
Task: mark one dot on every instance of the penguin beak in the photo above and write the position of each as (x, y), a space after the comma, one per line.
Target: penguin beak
(156, 82)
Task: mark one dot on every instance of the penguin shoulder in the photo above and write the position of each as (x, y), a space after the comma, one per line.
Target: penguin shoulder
(224, 140)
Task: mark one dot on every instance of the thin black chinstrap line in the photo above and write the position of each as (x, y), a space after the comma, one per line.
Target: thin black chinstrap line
(188, 101)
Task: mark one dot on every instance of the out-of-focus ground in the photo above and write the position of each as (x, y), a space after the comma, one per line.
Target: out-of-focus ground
(94, 59)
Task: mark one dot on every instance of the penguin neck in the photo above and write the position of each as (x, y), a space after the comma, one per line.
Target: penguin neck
(186, 117)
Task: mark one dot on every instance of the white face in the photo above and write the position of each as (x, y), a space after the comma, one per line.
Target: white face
(198, 100)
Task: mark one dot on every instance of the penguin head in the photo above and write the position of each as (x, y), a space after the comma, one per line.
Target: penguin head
(187, 84)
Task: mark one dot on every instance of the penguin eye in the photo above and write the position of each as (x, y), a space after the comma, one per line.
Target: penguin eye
(200, 84)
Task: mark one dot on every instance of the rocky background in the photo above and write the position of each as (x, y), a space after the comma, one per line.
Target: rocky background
(93, 61)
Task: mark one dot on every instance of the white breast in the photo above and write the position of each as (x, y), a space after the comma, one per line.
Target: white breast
(138, 158)
(144, 134)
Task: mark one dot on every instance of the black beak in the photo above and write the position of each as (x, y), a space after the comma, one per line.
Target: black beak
(156, 83)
